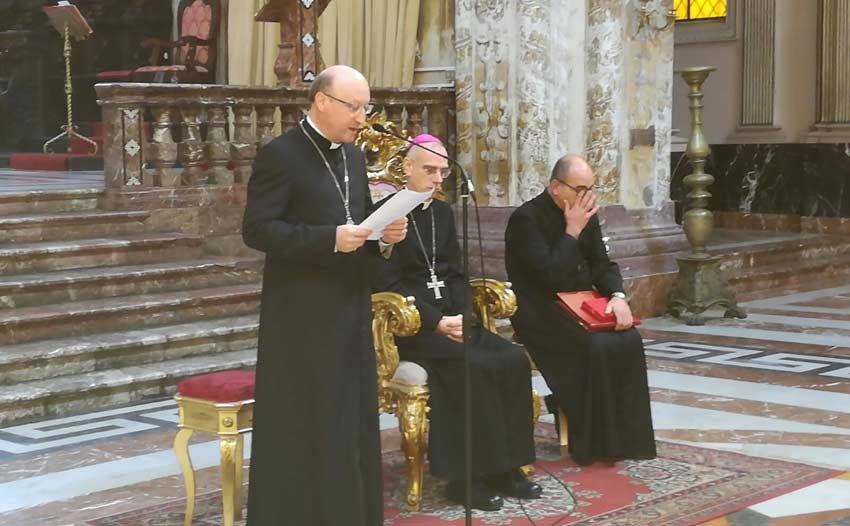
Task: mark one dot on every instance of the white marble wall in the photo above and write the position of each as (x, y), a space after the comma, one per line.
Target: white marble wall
(540, 78)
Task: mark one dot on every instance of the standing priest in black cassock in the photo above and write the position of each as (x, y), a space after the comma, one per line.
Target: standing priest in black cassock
(315, 456)
(427, 266)
(553, 243)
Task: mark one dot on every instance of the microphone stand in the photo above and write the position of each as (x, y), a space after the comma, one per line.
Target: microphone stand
(467, 193)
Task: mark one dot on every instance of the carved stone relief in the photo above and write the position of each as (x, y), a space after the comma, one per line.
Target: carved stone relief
(605, 39)
(532, 101)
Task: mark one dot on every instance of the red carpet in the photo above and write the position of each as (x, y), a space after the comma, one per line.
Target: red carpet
(80, 149)
(685, 486)
(40, 161)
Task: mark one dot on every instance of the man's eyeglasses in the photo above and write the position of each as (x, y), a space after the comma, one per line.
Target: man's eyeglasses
(581, 189)
(432, 170)
(352, 107)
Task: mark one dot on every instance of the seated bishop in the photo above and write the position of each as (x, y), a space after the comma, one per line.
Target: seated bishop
(427, 266)
(553, 243)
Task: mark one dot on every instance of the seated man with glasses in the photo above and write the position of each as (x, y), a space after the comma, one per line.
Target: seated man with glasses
(553, 243)
(427, 266)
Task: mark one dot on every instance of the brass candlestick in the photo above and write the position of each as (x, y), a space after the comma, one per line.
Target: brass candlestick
(700, 284)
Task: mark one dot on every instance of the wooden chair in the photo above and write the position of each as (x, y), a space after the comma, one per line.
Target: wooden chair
(192, 55)
(403, 386)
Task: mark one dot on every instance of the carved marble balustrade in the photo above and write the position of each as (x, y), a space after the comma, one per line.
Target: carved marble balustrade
(188, 135)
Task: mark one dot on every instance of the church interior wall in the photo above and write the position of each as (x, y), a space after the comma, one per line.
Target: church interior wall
(772, 169)
(722, 89)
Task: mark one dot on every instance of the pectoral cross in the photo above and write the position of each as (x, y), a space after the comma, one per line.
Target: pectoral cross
(436, 285)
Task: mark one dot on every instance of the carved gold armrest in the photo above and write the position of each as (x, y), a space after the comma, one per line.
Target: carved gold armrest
(492, 300)
(393, 315)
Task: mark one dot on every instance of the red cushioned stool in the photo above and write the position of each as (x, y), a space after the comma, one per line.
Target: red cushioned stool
(220, 403)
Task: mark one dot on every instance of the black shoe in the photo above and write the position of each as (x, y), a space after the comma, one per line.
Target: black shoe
(514, 484)
(482, 498)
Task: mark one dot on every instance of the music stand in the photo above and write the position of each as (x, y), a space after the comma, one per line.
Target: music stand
(66, 19)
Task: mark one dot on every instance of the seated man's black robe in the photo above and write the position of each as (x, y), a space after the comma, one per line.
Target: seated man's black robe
(502, 430)
(599, 379)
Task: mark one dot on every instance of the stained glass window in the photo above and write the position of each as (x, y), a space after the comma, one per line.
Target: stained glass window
(699, 9)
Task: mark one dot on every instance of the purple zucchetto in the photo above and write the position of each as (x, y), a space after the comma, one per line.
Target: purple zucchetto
(424, 138)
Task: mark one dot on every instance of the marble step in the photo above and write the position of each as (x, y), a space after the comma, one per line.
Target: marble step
(807, 271)
(740, 259)
(37, 202)
(79, 393)
(125, 312)
(134, 249)
(40, 360)
(25, 290)
(70, 225)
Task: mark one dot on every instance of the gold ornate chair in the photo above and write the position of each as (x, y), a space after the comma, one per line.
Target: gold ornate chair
(403, 386)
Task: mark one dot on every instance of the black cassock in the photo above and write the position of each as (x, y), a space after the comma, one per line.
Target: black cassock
(500, 372)
(315, 456)
(599, 379)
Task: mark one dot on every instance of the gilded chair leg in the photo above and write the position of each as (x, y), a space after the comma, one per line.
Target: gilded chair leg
(227, 445)
(237, 481)
(412, 419)
(181, 450)
(562, 427)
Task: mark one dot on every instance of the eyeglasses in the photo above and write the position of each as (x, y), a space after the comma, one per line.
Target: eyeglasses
(577, 189)
(433, 170)
(352, 107)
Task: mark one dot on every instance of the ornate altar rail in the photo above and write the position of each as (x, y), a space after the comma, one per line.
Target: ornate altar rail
(170, 135)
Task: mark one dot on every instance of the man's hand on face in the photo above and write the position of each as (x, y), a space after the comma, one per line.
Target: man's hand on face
(622, 312)
(579, 213)
(452, 327)
(350, 237)
(395, 232)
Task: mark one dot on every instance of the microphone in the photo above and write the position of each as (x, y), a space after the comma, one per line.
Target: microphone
(467, 181)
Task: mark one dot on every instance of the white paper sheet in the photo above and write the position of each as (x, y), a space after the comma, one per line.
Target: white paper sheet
(396, 207)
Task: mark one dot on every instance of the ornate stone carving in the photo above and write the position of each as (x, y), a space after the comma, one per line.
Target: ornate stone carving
(533, 121)
(482, 95)
(493, 111)
(605, 38)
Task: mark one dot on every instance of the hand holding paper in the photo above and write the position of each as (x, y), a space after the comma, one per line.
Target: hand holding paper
(397, 207)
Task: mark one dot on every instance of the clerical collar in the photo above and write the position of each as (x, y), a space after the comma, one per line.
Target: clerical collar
(333, 145)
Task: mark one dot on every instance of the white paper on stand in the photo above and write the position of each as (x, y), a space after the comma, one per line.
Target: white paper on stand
(396, 207)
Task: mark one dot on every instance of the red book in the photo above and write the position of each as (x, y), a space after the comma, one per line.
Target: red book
(587, 307)
(596, 308)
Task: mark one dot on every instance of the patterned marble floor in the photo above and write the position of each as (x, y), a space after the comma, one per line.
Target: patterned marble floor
(25, 181)
(774, 385)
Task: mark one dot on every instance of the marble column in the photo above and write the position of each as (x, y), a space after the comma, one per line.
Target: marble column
(605, 94)
(756, 124)
(832, 115)
(484, 119)
(646, 112)
(758, 70)
(834, 62)
(536, 79)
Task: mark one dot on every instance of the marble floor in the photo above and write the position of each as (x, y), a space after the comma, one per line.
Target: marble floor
(775, 385)
(27, 181)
